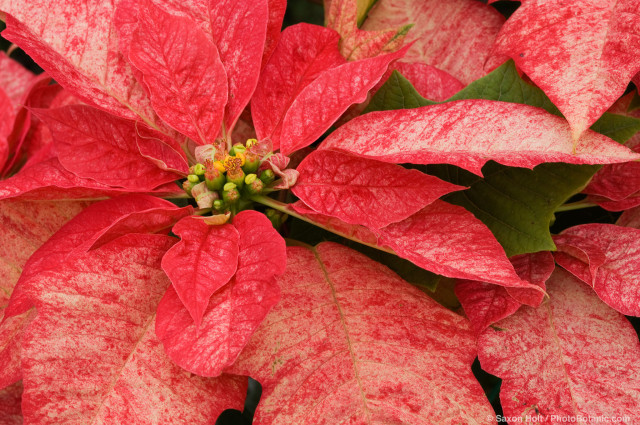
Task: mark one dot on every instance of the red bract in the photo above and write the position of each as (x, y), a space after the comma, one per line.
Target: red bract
(585, 368)
(14, 84)
(118, 280)
(235, 311)
(458, 245)
(50, 180)
(103, 148)
(181, 70)
(351, 231)
(97, 222)
(89, 64)
(485, 304)
(630, 218)
(95, 326)
(18, 88)
(616, 187)
(14, 80)
(195, 279)
(328, 178)
(286, 110)
(536, 269)
(18, 241)
(443, 238)
(303, 53)
(616, 182)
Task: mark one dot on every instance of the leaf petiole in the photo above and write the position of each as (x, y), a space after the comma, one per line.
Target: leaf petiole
(201, 211)
(575, 206)
(177, 196)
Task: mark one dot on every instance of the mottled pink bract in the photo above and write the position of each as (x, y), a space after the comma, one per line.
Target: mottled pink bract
(476, 131)
(582, 54)
(612, 255)
(572, 356)
(351, 333)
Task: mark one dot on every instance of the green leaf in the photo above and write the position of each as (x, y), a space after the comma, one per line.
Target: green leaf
(397, 93)
(618, 127)
(517, 204)
(502, 84)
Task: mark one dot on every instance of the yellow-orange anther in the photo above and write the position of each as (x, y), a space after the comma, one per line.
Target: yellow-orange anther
(219, 166)
(234, 162)
(242, 157)
(251, 142)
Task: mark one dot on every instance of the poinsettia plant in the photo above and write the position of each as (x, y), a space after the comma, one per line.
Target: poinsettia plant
(175, 182)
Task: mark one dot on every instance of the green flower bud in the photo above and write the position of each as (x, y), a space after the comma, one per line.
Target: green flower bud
(230, 197)
(267, 177)
(255, 187)
(219, 205)
(251, 163)
(236, 176)
(229, 186)
(199, 169)
(187, 186)
(238, 148)
(214, 178)
(193, 178)
(250, 178)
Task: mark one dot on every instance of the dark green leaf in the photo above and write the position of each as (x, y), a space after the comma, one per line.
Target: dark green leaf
(397, 93)
(517, 204)
(618, 127)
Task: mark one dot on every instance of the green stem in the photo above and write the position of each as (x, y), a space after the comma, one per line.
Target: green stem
(178, 196)
(202, 211)
(575, 206)
(282, 207)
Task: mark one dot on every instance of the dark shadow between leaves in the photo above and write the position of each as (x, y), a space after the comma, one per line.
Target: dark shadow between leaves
(235, 417)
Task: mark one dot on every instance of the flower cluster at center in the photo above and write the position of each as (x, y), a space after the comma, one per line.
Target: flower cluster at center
(225, 181)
